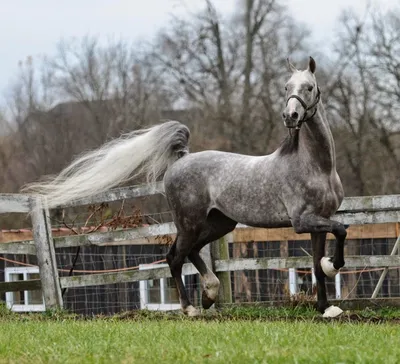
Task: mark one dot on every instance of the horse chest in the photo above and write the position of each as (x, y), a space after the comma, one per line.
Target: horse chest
(324, 196)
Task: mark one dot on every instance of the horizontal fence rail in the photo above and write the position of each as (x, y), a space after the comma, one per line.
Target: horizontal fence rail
(10, 202)
(223, 266)
(376, 261)
(14, 203)
(155, 234)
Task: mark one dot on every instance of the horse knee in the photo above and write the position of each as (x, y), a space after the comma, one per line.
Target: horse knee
(340, 232)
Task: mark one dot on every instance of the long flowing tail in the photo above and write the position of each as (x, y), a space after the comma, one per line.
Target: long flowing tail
(146, 152)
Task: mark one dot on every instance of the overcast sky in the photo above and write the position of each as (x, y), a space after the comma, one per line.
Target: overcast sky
(33, 27)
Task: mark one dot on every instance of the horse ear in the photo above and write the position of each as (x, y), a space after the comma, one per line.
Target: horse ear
(312, 65)
(290, 66)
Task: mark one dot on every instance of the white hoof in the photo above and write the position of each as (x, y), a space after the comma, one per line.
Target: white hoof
(328, 268)
(191, 311)
(332, 311)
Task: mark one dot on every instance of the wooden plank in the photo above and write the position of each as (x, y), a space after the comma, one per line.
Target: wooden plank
(20, 202)
(46, 255)
(117, 236)
(122, 277)
(150, 240)
(222, 266)
(7, 236)
(28, 285)
(165, 234)
(370, 261)
(19, 247)
(360, 218)
(155, 234)
(118, 194)
(358, 203)
(242, 233)
(370, 203)
(28, 247)
(349, 204)
(370, 231)
(13, 202)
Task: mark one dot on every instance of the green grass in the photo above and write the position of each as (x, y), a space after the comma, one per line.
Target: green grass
(237, 335)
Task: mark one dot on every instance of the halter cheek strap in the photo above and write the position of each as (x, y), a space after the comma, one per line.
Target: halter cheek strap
(305, 107)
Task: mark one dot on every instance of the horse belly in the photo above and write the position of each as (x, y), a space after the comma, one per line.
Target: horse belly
(265, 212)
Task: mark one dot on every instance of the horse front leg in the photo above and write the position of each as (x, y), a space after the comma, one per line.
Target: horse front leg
(323, 266)
(318, 251)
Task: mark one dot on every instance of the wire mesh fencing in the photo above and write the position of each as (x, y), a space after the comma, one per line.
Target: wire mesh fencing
(278, 284)
(247, 286)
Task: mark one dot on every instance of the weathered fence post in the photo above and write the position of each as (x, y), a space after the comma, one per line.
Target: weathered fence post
(220, 251)
(46, 256)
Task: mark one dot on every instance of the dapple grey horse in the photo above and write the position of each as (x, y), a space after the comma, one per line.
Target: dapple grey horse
(211, 191)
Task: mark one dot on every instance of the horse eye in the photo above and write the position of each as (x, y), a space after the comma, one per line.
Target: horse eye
(285, 88)
(310, 88)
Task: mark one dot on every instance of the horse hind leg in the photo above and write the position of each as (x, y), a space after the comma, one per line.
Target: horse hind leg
(175, 258)
(209, 281)
(217, 226)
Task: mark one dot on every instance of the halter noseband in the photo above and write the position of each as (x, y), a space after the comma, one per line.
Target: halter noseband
(305, 107)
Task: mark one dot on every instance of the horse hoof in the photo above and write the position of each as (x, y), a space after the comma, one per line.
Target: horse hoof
(206, 301)
(328, 268)
(332, 311)
(191, 311)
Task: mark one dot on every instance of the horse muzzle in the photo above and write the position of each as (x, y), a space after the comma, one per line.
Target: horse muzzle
(292, 123)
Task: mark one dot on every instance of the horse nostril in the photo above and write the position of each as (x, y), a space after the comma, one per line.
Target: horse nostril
(284, 115)
(294, 115)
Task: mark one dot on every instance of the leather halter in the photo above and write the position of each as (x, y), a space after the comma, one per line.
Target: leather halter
(305, 107)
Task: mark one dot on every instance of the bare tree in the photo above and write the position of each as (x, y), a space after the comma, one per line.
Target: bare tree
(232, 68)
(115, 76)
(74, 101)
(364, 102)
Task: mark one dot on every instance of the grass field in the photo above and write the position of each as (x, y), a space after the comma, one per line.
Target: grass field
(238, 335)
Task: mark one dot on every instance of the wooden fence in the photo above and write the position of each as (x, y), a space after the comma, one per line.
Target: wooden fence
(377, 214)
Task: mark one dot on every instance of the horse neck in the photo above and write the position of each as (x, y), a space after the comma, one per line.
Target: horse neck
(318, 140)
